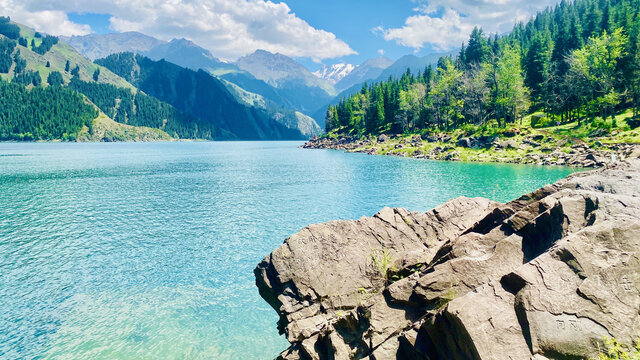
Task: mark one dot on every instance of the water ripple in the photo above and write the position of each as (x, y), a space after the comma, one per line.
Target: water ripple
(146, 251)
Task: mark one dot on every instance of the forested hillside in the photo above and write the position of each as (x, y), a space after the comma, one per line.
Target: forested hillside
(199, 94)
(42, 113)
(138, 109)
(35, 113)
(51, 86)
(197, 106)
(576, 62)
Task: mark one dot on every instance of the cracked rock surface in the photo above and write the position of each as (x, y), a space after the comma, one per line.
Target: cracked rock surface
(546, 276)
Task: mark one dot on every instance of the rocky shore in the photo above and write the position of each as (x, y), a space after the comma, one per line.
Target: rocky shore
(546, 276)
(515, 148)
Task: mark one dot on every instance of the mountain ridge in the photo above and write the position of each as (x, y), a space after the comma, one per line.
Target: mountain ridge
(185, 53)
(334, 73)
(199, 94)
(96, 46)
(291, 78)
(370, 69)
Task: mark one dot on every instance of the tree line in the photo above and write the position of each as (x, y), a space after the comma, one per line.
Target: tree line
(574, 62)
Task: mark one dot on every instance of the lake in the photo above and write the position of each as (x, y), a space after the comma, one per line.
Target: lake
(147, 250)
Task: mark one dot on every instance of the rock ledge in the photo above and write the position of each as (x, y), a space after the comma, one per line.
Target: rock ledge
(546, 276)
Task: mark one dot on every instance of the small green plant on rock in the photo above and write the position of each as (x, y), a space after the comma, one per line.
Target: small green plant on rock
(614, 350)
(449, 295)
(384, 263)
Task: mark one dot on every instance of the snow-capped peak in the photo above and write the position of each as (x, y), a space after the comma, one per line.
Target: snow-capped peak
(334, 73)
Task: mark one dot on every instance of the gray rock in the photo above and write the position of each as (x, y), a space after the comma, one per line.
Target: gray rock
(383, 138)
(509, 144)
(464, 142)
(306, 280)
(545, 276)
(452, 156)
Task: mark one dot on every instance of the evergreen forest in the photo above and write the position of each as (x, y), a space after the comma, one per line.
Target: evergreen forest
(576, 62)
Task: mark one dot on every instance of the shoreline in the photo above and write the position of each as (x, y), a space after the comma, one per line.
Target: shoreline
(57, 141)
(527, 150)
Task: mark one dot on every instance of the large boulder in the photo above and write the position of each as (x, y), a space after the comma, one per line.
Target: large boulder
(328, 269)
(546, 276)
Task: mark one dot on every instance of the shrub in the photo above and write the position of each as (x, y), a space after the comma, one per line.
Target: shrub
(614, 350)
(384, 263)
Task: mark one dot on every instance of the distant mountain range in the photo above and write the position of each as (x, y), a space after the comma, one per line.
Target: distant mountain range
(280, 80)
(292, 79)
(96, 46)
(199, 94)
(374, 71)
(273, 82)
(370, 69)
(187, 54)
(174, 101)
(334, 73)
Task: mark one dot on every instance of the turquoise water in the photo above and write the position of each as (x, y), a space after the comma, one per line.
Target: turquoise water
(146, 251)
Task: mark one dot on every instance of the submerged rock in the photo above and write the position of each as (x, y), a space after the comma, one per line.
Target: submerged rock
(545, 276)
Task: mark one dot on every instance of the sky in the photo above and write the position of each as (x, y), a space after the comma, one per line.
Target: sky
(313, 32)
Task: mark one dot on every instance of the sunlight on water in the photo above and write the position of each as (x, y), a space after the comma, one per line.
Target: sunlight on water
(167, 323)
(146, 251)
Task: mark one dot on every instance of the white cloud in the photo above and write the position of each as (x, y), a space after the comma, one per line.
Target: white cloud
(381, 52)
(446, 24)
(229, 28)
(47, 21)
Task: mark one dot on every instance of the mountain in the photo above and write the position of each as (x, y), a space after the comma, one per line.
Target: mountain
(291, 118)
(189, 55)
(368, 70)
(185, 53)
(199, 94)
(83, 100)
(244, 86)
(334, 73)
(412, 62)
(55, 59)
(42, 100)
(293, 80)
(96, 46)
(375, 71)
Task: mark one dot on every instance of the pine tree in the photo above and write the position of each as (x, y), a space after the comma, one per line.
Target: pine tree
(478, 49)
(55, 79)
(76, 72)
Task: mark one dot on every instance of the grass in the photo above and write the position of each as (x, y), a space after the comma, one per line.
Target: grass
(105, 129)
(383, 261)
(57, 58)
(553, 138)
(614, 350)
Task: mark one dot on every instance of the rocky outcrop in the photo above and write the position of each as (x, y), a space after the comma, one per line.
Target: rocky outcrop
(546, 276)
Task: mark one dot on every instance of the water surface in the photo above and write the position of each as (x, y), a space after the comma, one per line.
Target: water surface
(146, 251)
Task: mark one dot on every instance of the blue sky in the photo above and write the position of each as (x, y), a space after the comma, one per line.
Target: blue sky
(354, 21)
(313, 32)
